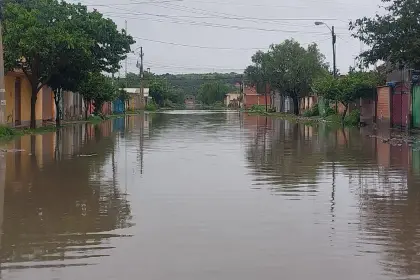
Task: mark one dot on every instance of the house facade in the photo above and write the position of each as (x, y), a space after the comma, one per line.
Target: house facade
(18, 101)
(282, 103)
(251, 98)
(233, 99)
(136, 100)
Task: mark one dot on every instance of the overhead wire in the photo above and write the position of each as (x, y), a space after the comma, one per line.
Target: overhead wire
(217, 25)
(215, 48)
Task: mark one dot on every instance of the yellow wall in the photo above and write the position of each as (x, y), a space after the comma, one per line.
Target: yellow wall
(10, 98)
(25, 108)
(38, 106)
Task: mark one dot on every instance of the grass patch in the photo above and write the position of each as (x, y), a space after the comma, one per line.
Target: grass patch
(42, 129)
(333, 118)
(258, 109)
(7, 132)
(95, 119)
(151, 107)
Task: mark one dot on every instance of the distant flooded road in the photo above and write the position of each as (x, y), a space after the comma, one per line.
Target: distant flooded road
(208, 196)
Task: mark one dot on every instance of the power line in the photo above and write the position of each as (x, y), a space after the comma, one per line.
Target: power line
(131, 3)
(278, 21)
(217, 25)
(197, 46)
(230, 17)
(213, 48)
(272, 6)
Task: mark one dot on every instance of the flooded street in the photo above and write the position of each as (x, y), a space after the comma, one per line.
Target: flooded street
(204, 196)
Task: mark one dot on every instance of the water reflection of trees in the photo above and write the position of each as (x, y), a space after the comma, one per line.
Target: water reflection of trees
(283, 155)
(384, 179)
(390, 216)
(65, 210)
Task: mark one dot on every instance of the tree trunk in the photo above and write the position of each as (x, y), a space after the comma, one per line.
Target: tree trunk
(346, 107)
(33, 103)
(266, 105)
(86, 109)
(57, 99)
(98, 108)
(296, 105)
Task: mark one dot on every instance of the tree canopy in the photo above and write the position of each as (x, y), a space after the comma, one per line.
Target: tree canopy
(212, 92)
(97, 88)
(393, 37)
(287, 67)
(348, 88)
(158, 92)
(47, 39)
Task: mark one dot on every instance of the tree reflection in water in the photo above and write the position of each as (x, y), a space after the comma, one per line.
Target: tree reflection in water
(384, 180)
(59, 205)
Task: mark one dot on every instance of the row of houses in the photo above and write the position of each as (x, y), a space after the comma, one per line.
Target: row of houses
(395, 104)
(73, 107)
(246, 99)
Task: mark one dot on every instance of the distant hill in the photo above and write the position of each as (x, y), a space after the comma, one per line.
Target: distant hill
(190, 83)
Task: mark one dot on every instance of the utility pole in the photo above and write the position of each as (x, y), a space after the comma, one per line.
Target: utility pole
(361, 59)
(126, 61)
(334, 39)
(2, 86)
(140, 66)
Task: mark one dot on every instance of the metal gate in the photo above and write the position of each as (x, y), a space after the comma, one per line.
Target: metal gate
(416, 106)
(399, 109)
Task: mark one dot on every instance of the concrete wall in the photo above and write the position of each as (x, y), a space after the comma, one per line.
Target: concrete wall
(47, 103)
(367, 111)
(73, 106)
(307, 103)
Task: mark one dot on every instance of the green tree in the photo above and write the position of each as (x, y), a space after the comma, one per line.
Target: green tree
(347, 89)
(66, 78)
(289, 68)
(393, 36)
(212, 92)
(97, 89)
(40, 37)
(158, 91)
(258, 74)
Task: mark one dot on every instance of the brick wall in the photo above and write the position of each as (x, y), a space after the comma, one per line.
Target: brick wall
(383, 109)
(252, 99)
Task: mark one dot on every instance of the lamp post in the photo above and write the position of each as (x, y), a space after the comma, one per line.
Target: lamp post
(333, 36)
(336, 108)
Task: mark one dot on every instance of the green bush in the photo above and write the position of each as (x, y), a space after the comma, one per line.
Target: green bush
(219, 104)
(329, 111)
(333, 118)
(307, 113)
(257, 108)
(313, 112)
(95, 119)
(6, 131)
(353, 118)
(151, 106)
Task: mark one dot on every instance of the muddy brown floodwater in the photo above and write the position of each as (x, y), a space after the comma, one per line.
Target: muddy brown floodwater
(205, 196)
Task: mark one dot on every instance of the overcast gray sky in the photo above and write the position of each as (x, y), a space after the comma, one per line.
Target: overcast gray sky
(185, 36)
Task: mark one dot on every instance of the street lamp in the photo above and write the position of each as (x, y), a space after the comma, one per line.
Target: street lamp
(333, 36)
